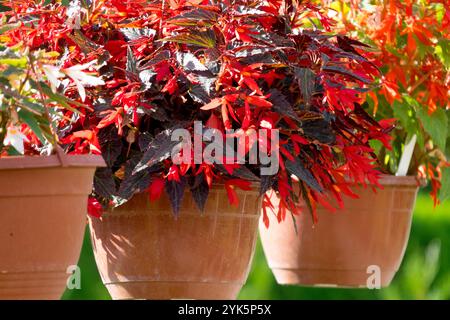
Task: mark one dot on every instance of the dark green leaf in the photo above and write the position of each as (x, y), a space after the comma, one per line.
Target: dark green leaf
(297, 168)
(345, 72)
(199, 94)
(442, 50)
(86, 45)
(320, 130)
(110, 144)
(56, 97)
(146, 77)
(132, 69)
(243, 172)
(104, 184)
(189, 62)
(206, 39)
(240, 172)
(4, 8)
(281, 105)
(144, 140)
(306, 82)
(158, 150)
(31, 120)
(200, 191)
(244, 10)
(197, 17)
(444, 193)
(175, 192)
(137, 33)
(135, 181)
(266, 184)
(407, 118)
(435, 124)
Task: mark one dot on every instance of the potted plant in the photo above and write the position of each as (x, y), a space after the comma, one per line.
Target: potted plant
(236, 66)
(369, 236)
(235, 75)
(43, 191)
(150, 239)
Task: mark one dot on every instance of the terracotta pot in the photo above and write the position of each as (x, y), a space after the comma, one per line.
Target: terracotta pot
(42, 221)
(143, 252)
(338, 250)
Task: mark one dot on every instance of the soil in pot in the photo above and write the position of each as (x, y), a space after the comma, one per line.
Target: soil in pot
(42, 221)
(362, 244)
(143, 252)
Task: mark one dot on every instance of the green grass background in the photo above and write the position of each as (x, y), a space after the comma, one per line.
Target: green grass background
(424, 274)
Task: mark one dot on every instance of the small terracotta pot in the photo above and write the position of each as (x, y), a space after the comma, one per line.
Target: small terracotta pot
(42, 221)
(370, 231)
(143, 252)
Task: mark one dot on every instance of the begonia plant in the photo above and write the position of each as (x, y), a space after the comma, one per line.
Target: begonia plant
(236, 65)
(413, 51)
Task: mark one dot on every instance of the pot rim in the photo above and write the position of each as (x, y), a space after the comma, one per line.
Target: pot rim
(53, 161)
(389, 180)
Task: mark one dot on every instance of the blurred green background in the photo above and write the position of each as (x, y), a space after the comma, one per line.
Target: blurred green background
(424, 274)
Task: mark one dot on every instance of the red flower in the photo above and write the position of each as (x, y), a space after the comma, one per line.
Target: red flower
(230, 186)
(156, 189)
(95, 209)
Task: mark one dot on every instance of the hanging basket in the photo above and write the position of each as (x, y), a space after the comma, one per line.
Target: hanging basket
(348, 248)
(42, 219)
(143, 252)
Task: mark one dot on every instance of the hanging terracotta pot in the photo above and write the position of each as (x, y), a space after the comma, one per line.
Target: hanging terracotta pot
(366, 238)
(42, 220)
(143, 252)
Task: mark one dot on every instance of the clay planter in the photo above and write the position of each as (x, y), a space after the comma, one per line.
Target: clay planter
(143, 252)
(338, 250)
(42, 220)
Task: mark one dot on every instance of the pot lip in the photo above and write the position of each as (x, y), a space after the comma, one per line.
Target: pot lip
(53, 161)
(389, 179)
(253, 184)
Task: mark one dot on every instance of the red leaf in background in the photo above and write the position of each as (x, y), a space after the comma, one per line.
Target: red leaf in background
(244, 33)
(232, 195)
(299, 139)
(375, 101)
(287, 154)
(267, 204)
(171, 85)
(282, 209)
(215, 123)
(423, 34)
(259, 101)
(391, 91)
(230, 186)
(162, 71)
(156, 189)
(411, 45)
(213, 104)
(252, 85)
(284, 188)
(84, 134)
(85, 141)
(209, 174)
(271, 76)
(113, 117)
(117, 49)
(174, 174)
(95, 209)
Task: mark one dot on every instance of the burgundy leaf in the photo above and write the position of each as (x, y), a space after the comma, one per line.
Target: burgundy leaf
(200, 191)
(175, 192)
